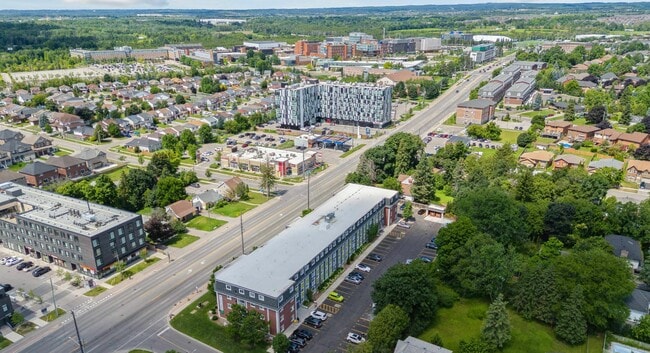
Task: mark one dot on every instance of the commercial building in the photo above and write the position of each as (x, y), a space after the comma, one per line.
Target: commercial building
(394, 46)
(428, 44)
(360, 104)
(567, 47)
(476, 111)
(6, 309)
(457, 36)
(284, 163)
(120, 53)
(275, 278)
(482, 53)
(306, 47)
(67, 232)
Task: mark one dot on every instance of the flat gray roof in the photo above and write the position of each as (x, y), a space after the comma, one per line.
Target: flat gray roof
(268, 270)
(63, 212)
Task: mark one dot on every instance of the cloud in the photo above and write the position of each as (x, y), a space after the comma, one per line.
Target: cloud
(121, 3)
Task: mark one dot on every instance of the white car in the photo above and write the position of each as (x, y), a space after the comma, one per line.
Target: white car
(355, 338)
(4, 260)
(13, 261)
(363, 267)
(317, 314)
(403, 223)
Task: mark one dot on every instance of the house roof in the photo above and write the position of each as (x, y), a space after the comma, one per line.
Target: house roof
(8, 134)
(611, 133)
(89, 153)
(608, 76)
(209, 196)
(559, 123)
(14, 146)
(476, 103)
(583, 128)
(642, 166)
(634, 137)
(32, 139)
(606, 163)
(144, 142)
(401, 76)
(544, 156)
(181, 208)
(37, 168)
(570, 159)
(64, 161)
(625, 247)
(10, 176)
(414, 345)
(639, 300)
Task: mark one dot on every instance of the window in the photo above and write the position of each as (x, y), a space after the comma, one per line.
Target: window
(228, 297)
(261, 297)
(241, 291)
(99, 262)
(229, 306)
(95, 242)
(228, 287)
(251, 294)
(280, 299)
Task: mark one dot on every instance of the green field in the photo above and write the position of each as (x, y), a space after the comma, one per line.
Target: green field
(145, 211)
(544, 112)
(464, 322)
(51, 316)
(204, 223)
(181, 240)
(129, 272)
(17, 166)
(62, 152)
(95, 291)
(487, 152)
(4, 342)
(234, 209)
(443, 199)
(258, 198)
(352, 150)
(116, 174)
(195, 322)
(509, 136)
(285, 145)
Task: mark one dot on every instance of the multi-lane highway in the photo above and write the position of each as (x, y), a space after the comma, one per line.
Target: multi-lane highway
(137, 312)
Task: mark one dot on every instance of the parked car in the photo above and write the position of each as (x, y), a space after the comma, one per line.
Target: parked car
(355, 338)
(293, 348)
(14, 261)
(4, 259)
(431, 245)
(23, 265)
(336, 297)
(7, 287)
(408, 261)
(39, 271)
(357, 274)
(403, 224)
(302, 333)
(318, 315)
(363, 267)
(300, 342)
(374, 257)
(425, 259)
(422, 211)
(353, 280)
(313, 322)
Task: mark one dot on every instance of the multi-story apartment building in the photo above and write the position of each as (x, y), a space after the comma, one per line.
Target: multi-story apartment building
(520, 91)
(395, 46)
(482, 53)
(362, 104)
(475, 111)
(336, 50)
(306, 47)
(275, 279)
(496, 88)
(67, 232)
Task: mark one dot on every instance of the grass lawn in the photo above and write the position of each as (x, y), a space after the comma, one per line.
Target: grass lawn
(95, 291)
(139, 351)
(145, 211)
(352, 150)
(17, 166)
(62, 152)
(51, 316)
(195, 322)
(544, 112)
(116, 174)
(545, 140)
(129, 272)
(509, 136)
(487, 152)
(182, 240)
(233, 209)
(465, 319)
(4, 342)
(285, 145)
(257, 198)
(25, 328)
(204, 223)
(443, 199)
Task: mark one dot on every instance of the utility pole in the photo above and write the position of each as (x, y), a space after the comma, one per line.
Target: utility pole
(81, 345)
(54, 301)
(241, 231)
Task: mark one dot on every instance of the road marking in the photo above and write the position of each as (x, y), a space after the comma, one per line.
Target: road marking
(163, 331)
(189, 270)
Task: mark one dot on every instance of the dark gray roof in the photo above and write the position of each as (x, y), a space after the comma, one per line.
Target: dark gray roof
(638, 300)
(608, 76)
(607, 162)
(64, 161)
(14, 146)
(144, 142)
(9, 134)
(89, 153)
(37, 168)
(476, 103)
(621, 242)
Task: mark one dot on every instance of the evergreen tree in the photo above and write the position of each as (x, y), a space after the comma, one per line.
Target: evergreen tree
(571, 323)
(537, 102)
(525, 188)
(424, 183)
(496, 327)
(402, 159)
(570, 112)
(644, 275)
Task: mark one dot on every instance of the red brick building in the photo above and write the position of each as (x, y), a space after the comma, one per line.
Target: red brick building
(307, 48)
(69, 167)
(39, 173)
(476, 111)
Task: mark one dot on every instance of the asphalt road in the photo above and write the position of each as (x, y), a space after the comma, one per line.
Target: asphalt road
(137, 312)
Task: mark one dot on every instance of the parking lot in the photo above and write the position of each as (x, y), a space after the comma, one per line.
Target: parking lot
(355, 312)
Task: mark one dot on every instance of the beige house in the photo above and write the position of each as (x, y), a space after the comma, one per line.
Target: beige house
(636, 171)
(568, 161)
(536, 159)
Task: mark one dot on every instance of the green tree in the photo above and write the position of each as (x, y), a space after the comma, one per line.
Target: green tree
(103, 192)
(641, 331)
(412, 288)
(180, 99)
(536, 293)
(570, 112)
(474, 346)
(537, 102)
(450, 238)
(407, 213)
(17, 318)
(132, 109)
(496, 326)
(525, 187)
(280, 343)
(268, 179)
(571, 324)
(119, 267)
(424, 182)
(525, 139)
(144, 254)
(392, 184)
(387, 327)
(114, 130)
(164, 162)
(99, 134)
(254, 329)
(644, 274)
(140, 159)
(235, 321)
(132, 187)
(205, 134)
(169, 189)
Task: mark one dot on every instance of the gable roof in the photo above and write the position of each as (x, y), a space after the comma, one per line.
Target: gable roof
(476, 103)
(583, 128)
(544, 156)
(89, 153)
(642, 166)
(33, 139)
(570, 159)
(15, 146)
(181, 208)
(559, 123)
(233, 182)
(64, 161)
(635, 137)
(625, 246)
(606, 163)
(9, 135)
(414, 345)
(37, 168)
(11, 176)
(209, 196)
(639, 300)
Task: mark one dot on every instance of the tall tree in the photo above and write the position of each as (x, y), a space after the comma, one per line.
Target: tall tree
(644, 275)
(280, 343)
(536, 295)
(424, 182)
(268, 179)
(570, 111)
(571, 324)
(205, 134)
(387, 327)
(169, 189)
(496, 326)
(164, 162)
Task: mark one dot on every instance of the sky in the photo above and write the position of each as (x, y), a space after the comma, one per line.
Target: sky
(226, 4)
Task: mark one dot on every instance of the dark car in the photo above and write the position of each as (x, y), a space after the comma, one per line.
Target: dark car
(300, 342)
(302, 333)
(313, 322)
(39, 271)
(425, 259)
(7, 287)
(374, 257)
(23, 265)
(432, 245)
(422, 211)
(356, 274)
(293, 348)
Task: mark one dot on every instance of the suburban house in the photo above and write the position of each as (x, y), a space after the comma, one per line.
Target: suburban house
(206, 199)
(406, 181)
(228, 187)
(536, 159)
(6, 309)
(64, 122)
(604, 163)
(181, 210)
(632, 140)
(144, 144)
(17, 151)
(476, 111)
(637, 170)
(556, 128)
(627, 249)
(39, 144)
(9, 176)
(416, 345)
(581, 132)
(396, 77)
(93, 158)
(639, 304)
(69, 167)
(568, 161)
(39, 173)
(606, 135)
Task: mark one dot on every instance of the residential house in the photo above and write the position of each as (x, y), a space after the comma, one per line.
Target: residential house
(536, 159)
(608, 79)
(229, 187)
(396, 77)
(7, 135)
(637, 170)
(83, 132)
(407, 182)
(181, 210)
(144, 144)
(69, 167)
(206, 199)
(6, 308)
(94, 158)
(9, 176)
(627, 249)
(579, 133)
(212, 121)
(39, 144)
(415, 345)
(632, 140)
(606, 135)
(568, 161)
(604, 163)
(17, 151)
(556, 129)
(64, 122)
(476, 111)
(639, 304)
(39, 173)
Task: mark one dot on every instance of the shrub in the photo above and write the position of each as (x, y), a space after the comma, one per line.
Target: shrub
(447, 297)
